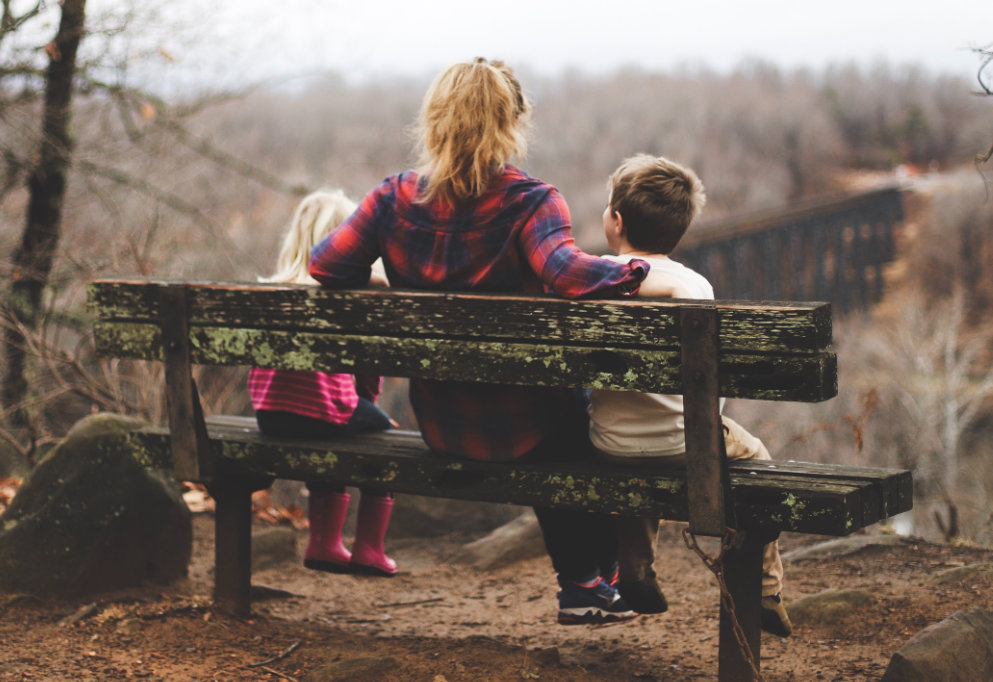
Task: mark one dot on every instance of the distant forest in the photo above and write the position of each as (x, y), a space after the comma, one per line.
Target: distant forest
(758, 137)
(151, 179)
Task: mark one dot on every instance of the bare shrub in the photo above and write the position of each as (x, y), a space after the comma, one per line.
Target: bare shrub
(915, 375)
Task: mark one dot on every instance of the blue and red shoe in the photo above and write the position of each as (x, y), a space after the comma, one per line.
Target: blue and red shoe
(592, 604)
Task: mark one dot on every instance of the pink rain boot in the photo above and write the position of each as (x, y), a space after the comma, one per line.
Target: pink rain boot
(325, 551)
(368, 555)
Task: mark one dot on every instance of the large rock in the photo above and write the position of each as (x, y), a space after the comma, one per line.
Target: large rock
(515, 541)
(958, 649)
(960, 574)
(418, 517)
(89, 519)
(846, 546)
(829, 607)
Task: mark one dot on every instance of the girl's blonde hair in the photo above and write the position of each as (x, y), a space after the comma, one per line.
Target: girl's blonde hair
(473, 120)
(315, 217)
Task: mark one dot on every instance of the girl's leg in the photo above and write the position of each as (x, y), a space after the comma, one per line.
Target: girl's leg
(328, 503)
(325, 550)
(368, 552)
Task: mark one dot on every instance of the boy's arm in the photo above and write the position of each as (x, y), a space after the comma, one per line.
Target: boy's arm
(659, 284)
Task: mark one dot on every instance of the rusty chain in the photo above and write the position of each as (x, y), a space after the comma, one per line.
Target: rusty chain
(716, 566)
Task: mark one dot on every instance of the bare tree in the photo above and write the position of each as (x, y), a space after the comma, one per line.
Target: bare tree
(943, 384)
(32, 262)
(121, 123)
(985, 77)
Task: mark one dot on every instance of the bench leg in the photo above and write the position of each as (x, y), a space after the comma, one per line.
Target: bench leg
(233, 544)
(743, 575)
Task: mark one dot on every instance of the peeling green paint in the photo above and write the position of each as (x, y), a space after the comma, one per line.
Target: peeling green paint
(796, 507)
(319, 462)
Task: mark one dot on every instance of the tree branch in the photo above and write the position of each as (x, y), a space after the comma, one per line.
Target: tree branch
(10, 23)
(171, 200)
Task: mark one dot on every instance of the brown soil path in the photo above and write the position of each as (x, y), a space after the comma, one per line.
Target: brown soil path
(439, 622)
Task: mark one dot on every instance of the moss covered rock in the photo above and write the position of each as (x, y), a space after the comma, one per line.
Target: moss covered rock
(89, 519)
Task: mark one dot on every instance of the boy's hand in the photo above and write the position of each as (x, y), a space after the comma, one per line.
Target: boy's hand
(660, 285)
(378, 276)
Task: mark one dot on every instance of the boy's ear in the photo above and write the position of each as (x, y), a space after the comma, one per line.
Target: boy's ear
(620, 223)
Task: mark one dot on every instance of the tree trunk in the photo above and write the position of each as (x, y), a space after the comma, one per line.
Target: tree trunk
(46, 185)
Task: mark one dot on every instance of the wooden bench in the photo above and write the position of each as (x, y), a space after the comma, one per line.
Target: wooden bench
(768, 351)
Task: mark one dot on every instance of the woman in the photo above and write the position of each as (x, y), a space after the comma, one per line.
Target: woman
(467, 219)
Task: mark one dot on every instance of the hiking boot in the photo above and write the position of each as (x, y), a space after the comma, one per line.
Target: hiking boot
(593, 604)
(643, 597)
(775, 620)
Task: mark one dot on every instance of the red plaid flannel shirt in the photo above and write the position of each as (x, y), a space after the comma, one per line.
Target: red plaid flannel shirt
(516, 237)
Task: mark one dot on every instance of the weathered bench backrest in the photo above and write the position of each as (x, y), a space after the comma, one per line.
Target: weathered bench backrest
(771, 351)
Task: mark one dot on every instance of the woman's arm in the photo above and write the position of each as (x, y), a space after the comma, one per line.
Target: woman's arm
(563, 267)
(344, 258)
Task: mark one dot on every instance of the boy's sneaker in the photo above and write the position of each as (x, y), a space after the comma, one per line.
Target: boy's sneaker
(643, 597)
(775, 620)
(591, 605)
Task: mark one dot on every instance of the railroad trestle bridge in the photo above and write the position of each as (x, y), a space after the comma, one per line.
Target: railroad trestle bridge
(831, 249)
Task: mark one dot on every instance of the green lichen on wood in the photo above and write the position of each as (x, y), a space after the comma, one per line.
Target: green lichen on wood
(657, 371)
(796, 507)
(644, 323)
(782, 500)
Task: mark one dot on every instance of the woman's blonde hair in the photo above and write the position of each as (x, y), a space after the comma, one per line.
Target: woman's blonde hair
(315, 217)
(473, 120)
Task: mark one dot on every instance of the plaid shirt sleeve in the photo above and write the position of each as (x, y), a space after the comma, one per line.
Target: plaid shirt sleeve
(565, 269)
(344, 258)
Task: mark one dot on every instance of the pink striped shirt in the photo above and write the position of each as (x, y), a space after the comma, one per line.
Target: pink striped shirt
(318, 395)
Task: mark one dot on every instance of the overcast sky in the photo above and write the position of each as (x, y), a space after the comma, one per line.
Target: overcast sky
(361, 39)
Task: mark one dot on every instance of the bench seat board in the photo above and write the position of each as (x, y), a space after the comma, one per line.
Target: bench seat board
(771, 496)
(754, 327)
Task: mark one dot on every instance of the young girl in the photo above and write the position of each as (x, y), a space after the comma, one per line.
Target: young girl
(315, 405)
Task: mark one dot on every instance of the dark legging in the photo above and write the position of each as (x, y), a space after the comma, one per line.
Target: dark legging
(581, 544)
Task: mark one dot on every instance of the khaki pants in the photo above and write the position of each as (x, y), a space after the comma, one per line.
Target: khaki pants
(637, 538)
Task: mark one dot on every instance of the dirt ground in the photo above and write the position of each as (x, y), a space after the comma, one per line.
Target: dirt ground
(441, 622)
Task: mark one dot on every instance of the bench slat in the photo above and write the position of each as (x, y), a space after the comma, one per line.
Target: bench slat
(898, 492)
(745, 326)
(774, 499)
(807, 378)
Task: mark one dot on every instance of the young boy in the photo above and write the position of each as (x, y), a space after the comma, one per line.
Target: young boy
(652, 202)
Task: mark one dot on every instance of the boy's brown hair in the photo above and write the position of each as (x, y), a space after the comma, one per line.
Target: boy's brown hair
(657, 200)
